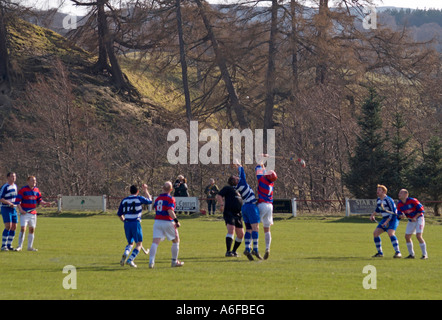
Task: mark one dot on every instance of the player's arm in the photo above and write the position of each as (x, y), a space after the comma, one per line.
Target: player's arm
(220, 200)
(120, 212)
(173, 216)
(46, 203)
(3, 200)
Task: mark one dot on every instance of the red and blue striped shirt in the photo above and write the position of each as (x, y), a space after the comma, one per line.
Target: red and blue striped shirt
(29, 199)
(412, 208)
(162, 204)
(265, 186)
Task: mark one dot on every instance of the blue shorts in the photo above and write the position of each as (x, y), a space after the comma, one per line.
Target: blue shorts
(133, 231)
(9, 215)
(392, 225)
(250, 214)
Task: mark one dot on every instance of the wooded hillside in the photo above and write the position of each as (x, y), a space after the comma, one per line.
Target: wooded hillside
(90, 114)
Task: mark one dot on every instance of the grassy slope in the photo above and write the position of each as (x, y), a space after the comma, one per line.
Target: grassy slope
(311, 259)
(33, 49)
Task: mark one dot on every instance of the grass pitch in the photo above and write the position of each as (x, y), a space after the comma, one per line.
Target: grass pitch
(311, 258)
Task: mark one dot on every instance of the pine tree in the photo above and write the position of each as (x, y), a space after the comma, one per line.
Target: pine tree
(369, 165)
(399, 161)
(426, 178)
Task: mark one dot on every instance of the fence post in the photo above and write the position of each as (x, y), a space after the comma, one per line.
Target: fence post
(59, 196)
(347, 208)
(294, 208)
(104, 203)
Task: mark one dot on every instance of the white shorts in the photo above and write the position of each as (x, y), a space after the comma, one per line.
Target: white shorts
(164, 229)
(266, 213)
(28, 219)
(416, 226)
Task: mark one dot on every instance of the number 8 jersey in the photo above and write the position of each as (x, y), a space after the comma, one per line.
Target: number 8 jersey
(163, 203)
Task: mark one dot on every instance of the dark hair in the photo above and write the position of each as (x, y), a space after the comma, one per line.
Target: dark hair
(9, 174)
(133, 189)
(232, 181)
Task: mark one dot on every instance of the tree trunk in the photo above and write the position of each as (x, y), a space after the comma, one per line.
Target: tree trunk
(271, 75)
(222, 65)
(106, 51)
(5, 82)
(294, 52)
(321, 66)
(183, 61)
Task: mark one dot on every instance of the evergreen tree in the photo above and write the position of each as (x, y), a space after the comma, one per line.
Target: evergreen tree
(399, 161)
(368, 166)
(426, 178)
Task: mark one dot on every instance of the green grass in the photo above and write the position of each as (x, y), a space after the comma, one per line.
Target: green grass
(311, 258)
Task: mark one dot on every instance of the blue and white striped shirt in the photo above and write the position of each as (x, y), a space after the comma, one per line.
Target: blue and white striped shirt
(131, 207)
(8, 192)
(387, 204)
(247, 194)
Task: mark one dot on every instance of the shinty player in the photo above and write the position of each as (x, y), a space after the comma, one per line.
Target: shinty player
(412, 209)
(165, 226)
(389, 223)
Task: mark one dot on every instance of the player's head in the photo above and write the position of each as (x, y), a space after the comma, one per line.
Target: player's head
(233, 181)
(167, 187)
(32, 181)
(271, 176)
(403, 194)
(12, 177)
(381, 190)
(133, 189)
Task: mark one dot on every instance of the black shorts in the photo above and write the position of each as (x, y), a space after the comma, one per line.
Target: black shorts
(234, 219)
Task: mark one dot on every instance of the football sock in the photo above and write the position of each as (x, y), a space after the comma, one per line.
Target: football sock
(133, 255)
(10, 238)
(395, 243)
(268, 239)
(237, 244)
(229, 240)
(5, 236)
(152, 252)
(175, 249)
(127, 250)
(247, 239)
(410, 248)
(255, 236)
(378, 243)
(21, 238)
(30, 240)
(423, 248)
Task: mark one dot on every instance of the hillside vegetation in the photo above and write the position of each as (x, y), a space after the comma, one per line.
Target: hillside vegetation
(91, 115)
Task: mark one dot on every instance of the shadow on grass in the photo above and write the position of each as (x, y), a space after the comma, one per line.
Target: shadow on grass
(339, 258)
(352, 219)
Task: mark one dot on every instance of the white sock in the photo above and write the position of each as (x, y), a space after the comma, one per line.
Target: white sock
(175, 249)
(423, 248)
(268, 239)
(30, 241)
(152, 252)
(410, 248)
(21, 239)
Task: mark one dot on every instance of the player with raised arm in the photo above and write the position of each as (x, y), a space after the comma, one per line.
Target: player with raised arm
(266, 179)
(130, 211)
(414, 211)
(165, 226)
(28, 198)
(250, 213)
(8, 194)
(389, 223)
